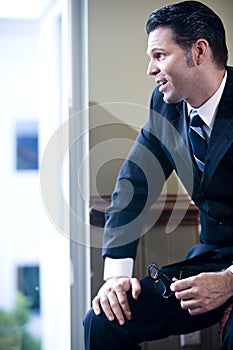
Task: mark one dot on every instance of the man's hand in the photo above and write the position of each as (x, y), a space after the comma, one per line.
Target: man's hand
(204, 292)
(113, 299)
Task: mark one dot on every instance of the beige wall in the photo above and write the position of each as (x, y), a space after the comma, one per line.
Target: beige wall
(118, 64)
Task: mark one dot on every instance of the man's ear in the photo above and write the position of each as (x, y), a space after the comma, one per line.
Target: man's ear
(201, 47)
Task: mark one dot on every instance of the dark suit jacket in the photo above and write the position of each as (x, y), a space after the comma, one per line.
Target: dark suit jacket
(161, 147)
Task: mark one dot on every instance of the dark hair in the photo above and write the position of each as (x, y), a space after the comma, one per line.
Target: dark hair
(190, 21)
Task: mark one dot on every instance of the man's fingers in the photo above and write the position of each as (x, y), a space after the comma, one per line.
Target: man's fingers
(123, 301)
(96, 305)
(110, 305)
(180, 285)
(185, 295)
(104, 303)
(136, 288)
(195, 311)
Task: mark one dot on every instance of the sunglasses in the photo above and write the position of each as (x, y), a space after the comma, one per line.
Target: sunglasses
(161, 281)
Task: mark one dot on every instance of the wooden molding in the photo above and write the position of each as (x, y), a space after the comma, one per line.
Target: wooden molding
(183, 210)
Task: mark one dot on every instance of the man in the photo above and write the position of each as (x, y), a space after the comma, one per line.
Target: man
(188, 59)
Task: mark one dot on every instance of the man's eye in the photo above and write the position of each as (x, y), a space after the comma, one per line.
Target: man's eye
(160, 56)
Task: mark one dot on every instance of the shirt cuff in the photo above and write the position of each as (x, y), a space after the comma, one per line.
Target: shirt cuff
(230, 268)
(118, 267)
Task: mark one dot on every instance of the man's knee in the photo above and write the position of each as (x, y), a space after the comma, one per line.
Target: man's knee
(95, 326)
(98, 332)
(92, 321)
(88, 318)
(87, 323)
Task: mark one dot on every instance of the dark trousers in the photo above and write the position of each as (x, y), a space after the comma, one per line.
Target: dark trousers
(154, 317)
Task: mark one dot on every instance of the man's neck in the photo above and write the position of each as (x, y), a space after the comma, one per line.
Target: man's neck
(210, 84)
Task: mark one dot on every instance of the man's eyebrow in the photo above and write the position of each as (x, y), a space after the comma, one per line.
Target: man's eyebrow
(154, 49)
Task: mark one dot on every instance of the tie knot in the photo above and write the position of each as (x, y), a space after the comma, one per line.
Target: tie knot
(196, 120)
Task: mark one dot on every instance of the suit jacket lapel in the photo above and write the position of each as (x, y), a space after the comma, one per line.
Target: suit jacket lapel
(222, 133)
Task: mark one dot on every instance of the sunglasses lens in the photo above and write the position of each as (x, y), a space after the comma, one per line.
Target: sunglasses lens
(160, 288)
(153, 271)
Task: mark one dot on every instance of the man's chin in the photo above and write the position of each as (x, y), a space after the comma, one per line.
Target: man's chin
(167, 99)
(171, 99)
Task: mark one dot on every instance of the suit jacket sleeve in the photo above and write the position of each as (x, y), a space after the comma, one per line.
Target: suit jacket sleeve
(139, 183)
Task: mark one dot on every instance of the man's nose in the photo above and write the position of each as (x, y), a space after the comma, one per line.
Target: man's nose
(152, 68)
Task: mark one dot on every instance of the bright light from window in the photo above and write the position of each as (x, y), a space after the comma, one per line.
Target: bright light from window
(23, 9)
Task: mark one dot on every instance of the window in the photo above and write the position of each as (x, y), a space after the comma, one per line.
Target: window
(27, 146)
(29, 285)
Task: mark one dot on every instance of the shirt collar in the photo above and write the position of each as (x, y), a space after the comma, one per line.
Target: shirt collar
(208, 110)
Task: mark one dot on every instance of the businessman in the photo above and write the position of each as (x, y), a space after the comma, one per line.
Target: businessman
(190, 131)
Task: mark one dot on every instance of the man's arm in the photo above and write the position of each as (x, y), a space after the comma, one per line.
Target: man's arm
(139, 183)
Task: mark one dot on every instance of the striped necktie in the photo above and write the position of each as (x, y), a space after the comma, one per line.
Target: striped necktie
(198, 139)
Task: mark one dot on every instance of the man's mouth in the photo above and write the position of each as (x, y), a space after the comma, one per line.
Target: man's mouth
(162, 85)
(161, 81)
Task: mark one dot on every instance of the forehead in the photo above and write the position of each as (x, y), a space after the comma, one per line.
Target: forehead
(161, 39)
